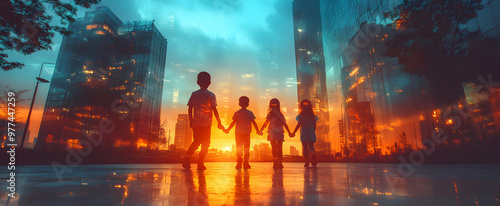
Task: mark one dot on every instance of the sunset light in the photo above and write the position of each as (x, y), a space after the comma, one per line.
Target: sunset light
(250, 102)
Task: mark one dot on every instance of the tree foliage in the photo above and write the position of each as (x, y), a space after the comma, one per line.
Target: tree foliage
(19, 101)
(25, 25)
(432, 40)
(5, 114)
(403, 140)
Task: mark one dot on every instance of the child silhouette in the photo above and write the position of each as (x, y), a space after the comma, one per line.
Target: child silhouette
(201, 105)
(276, 122)
(243, 119)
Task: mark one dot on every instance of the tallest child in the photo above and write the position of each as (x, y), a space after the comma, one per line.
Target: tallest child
(201, 105)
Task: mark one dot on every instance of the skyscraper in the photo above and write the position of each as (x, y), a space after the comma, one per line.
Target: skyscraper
(373, 100)
(265, 152)
(310, 61)
(183, 132)
(107, 84)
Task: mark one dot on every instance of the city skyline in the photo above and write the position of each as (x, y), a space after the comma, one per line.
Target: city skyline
(251, 42)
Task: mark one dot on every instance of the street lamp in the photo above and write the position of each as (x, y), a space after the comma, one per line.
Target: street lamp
(39, 79)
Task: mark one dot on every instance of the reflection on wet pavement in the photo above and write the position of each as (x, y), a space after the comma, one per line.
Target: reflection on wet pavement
(221, 184)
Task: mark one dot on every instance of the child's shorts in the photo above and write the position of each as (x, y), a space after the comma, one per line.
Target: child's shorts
(275, 136)
(307, 135)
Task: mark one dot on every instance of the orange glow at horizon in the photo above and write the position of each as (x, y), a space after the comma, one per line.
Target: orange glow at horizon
(224, 142)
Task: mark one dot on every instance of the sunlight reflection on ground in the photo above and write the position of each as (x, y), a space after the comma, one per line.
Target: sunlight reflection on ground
(221, 184)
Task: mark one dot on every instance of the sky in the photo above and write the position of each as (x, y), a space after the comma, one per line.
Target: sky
(247, 46)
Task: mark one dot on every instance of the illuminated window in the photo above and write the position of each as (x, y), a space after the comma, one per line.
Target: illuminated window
(103, 26)
(74, 143)
(142, 143)
(92, 26)
(49, 138)
(355, 71)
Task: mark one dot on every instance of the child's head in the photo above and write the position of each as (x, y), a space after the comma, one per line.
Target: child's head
(204, 80)
(274, 103)
(244, 101)
(306, 108)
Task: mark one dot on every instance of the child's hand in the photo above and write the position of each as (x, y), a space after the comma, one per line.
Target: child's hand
(221, 127)
(292, 134)
(226, 131)
(259, 133)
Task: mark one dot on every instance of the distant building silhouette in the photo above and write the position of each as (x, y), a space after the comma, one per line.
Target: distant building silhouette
(108, 74)
(233, 150)
(183, 132)
(256, 152)
(265, 152)
(294, 151)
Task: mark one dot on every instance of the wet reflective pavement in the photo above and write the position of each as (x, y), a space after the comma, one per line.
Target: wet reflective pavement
(221, 184)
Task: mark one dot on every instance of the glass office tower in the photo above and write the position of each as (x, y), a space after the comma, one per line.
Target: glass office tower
(108, 81)
(372, 102)
(310, 62)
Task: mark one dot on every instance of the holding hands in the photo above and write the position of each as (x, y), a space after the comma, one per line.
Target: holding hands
(221, 127)
(228, 129)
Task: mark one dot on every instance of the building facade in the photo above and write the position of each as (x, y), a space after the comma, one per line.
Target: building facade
(382, 101)
(107, 84)
(310, 65)
(183, 132)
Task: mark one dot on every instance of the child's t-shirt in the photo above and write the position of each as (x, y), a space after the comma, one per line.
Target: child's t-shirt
(275, 121)
(307, 122)
(243, 118)
(202, 101)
